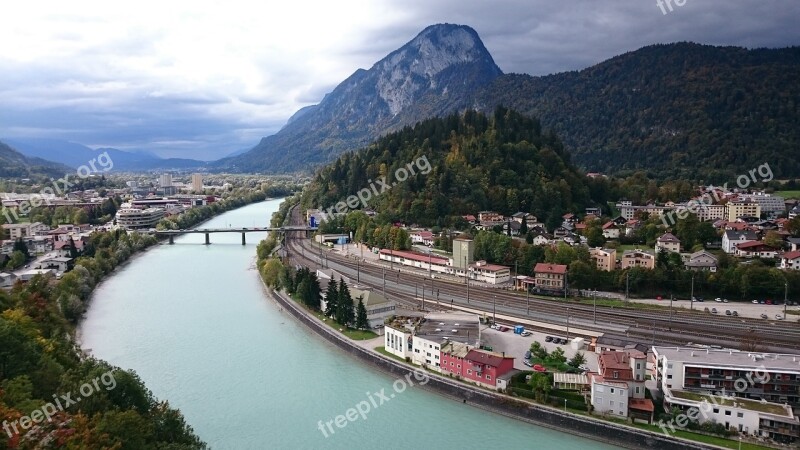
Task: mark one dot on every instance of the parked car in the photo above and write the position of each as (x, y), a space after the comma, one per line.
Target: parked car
(526, 333)
(761, 302)
(539, 368)
(769, 302)
(700, 299)
(778, 316)
(724, 300)
(528, 354)
(755, 302)
(548, 339)
(713, 310)
(728, 312)
(736, 314)
(527, 363)
(495, 327)
(718, 300)
(504, 329)
(584, 368)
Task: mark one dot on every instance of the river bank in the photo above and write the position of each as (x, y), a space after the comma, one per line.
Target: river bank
(535, 414)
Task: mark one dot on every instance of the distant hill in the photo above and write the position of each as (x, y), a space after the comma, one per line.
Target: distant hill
(14, 164)
(434, 74)
(680, 110)
(75, 155)
(502, 162)
(676, 110)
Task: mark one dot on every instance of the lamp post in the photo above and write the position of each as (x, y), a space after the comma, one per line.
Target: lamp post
(670, 311)
(494, 309)
(595, 307)
(567, 323)
(527, 300)
(358, 271)
(423, 295)
(565, 405)
(785, 296)
(627, 282)
(691, 298)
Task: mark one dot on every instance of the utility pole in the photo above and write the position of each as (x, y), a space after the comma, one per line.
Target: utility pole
(595, 306)
(430, 251)
(468, 292)
(358, 271)
(466, 279)
(384, 282)
(785, 296)
(565, 285)
(527, 300)
(568, 323)
(423, 295)
(627, 282)
(494, 309)
(670, 311)
(691, 298)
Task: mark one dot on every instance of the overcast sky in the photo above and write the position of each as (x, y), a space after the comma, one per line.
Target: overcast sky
(201, 79)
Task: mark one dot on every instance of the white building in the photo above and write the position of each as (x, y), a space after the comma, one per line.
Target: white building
(790, 260)
(668, 243)
(132, 219)
(165, 180)
(752, 393)
(197, 182)
(609, 396)
(732, 238)
(397, 337)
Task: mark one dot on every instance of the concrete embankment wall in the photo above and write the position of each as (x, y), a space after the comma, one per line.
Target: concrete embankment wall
(539, 415)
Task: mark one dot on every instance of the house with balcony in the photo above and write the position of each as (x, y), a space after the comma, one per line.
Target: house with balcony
(754, 393)
(732, 238)
(702, 261)
(638, 258)
(756, 249)
(481, 367)
(610, 230)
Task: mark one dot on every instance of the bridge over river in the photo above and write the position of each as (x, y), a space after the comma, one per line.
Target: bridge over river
(208, 231)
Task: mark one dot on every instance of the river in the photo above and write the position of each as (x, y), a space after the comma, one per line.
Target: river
(192, 320)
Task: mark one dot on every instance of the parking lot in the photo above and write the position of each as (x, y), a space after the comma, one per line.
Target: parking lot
(516, 346)
(743, 309)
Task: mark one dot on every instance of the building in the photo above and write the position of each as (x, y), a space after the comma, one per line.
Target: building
(463, 252)
(702, 260)
(605, 259)
(770, 205)
(197, 182)
(165, 180)
(378, 307)
(732, 238)
(423, 261)
(629, 211)
(550, 277)
(135, 219)
(22, 230)
(490, 216)
(668, 243)
(754, 393)
(437, 329)
(7, 279)
(743, 207)
(60, 263)
(711, 212)
(755, 249)
(481, 367)
(790, 260)
(619, 381)
(638, 258)
(421, 237)
(610, 230)
(398, 334)
(489, 273)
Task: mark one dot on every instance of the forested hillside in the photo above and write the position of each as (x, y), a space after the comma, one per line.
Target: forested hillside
(501, 162)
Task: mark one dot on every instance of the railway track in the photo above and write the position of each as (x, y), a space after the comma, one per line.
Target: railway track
(678, 327)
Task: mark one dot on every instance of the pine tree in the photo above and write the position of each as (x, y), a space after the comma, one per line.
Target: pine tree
(344, 308)
(73, 250)
(361, 314)
(314, 291)
(332, 299)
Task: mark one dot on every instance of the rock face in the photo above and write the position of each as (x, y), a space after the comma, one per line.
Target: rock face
(434, 74)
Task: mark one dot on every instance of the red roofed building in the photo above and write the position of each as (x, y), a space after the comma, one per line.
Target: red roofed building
(479, 366)
(756, 249)
(619, 386)
(550, 276)
(790, 260)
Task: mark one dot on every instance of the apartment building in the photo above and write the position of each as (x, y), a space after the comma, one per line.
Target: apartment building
(638, 258)
(743, 207)
(605, 259)
(550, 276)
(668, 243)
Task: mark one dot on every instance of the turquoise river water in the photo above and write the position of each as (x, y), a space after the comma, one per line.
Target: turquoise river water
(192, 320)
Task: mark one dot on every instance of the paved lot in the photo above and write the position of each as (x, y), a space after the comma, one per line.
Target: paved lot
(516, 345)
(744, 309)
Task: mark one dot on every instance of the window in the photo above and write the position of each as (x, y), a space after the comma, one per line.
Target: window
(638, 366)
(469, 372)
(458, 365)
(451, 364)
(488, 377)
(616, 374)
(716, 410)
(727, 413)
(637, 389)
(611, 403)
(739, 415)
(669, 377)
(612, 390)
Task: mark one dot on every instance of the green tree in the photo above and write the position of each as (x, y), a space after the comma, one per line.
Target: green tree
(344, 307)
(272, 272)
(542, 386)
(21, 246)
(361, 315)
(773, 239)
(538, 351)
(557, 356)
(578, 360)
(17, 260)
(331, 299)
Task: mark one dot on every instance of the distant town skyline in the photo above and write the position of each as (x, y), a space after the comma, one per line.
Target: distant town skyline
(201, 80)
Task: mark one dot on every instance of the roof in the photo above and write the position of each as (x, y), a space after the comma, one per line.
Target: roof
(597, 378)
(791, 255)
(491, 359)
(614, 360)
(752, 244)
(608, 225)
(550, 268)
(739, 235)
(668, 237)
(641, 404)
(489, 267)
(422, 257)
(370, 298)
(572, 378)
(731, 358)
(440, 326)
(457, 349)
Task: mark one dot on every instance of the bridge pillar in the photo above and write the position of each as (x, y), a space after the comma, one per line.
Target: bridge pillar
(208, 241)
(243, 241)
(171, 239)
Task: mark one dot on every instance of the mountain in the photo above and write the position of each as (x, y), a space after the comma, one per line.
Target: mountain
(14, 164)
(462, 164)
(677, 110)
(680, 110)
(75, 155)
(433, 74)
